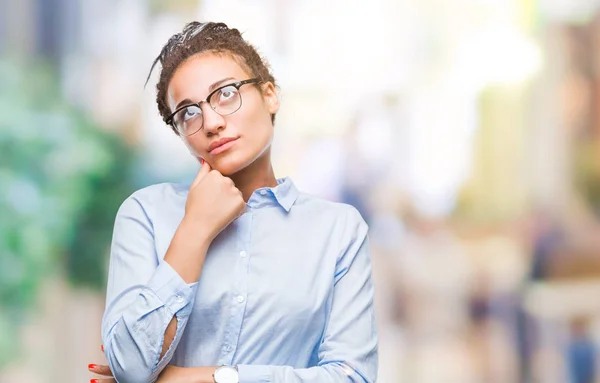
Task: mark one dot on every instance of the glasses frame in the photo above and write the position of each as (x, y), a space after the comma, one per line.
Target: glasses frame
(237, 85)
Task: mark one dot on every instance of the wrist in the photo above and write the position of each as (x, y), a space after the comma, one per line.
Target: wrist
(202, 375)
(193, 229)
(187, 251)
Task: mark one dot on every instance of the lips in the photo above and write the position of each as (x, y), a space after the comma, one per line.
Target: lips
(221, 144)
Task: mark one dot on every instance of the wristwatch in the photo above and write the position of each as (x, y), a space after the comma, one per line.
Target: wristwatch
(227, 374)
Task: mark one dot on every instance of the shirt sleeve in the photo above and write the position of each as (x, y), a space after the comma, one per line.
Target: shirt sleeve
(143, 295)
(349, 350)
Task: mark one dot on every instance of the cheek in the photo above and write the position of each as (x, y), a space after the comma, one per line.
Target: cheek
(258, 121)
(195, 145)
(259, 130)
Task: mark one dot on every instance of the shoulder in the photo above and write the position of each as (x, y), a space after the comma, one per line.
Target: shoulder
(342, 226)
(155, 197)
(342, 215)
(160, 192)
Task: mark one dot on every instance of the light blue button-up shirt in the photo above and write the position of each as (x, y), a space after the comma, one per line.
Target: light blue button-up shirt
(285, 293)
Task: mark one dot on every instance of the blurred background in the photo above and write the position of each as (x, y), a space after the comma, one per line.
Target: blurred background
(467, 132)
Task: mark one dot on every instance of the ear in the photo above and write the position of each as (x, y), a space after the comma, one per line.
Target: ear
(271, 97)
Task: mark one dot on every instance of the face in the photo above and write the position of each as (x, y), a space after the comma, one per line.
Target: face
(232, 142)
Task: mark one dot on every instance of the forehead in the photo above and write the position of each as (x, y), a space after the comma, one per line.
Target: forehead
(192, 79)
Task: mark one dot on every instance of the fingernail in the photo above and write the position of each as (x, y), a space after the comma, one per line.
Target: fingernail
(202, 161)
(92, 366)
(102, 348)
(94, 381)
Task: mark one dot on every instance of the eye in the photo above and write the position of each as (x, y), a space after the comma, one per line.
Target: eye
(190, 112)
(227, 93)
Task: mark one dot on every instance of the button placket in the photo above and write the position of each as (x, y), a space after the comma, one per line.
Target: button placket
(239, 288)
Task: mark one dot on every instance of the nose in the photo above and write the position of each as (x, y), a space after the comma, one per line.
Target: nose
(213, 121)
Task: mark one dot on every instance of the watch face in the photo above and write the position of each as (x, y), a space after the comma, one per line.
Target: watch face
(226, 374)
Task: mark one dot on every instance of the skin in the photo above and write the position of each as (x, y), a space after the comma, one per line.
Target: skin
(248, 163)
(224, 183)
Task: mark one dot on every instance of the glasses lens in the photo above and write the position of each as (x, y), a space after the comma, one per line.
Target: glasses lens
(188, 120)
(226, 101)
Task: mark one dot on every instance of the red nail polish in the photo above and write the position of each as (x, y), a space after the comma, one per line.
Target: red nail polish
(94, 381)
(102, 348)
(202, 161)
(92, 366)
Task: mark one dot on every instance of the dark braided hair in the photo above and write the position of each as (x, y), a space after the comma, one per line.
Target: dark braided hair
(199, 37)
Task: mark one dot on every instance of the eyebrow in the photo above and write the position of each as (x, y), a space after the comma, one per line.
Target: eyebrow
(212, 87)
(216, 84)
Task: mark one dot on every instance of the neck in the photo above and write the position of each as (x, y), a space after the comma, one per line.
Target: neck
(257, 175)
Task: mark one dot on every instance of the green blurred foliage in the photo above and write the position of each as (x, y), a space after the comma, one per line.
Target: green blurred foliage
(158, 7)
(62, 179)
(587, 173)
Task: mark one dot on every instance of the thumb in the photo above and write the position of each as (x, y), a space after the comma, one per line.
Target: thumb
(204, 169)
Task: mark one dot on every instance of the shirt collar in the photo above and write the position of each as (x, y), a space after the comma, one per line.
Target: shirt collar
(284, 194)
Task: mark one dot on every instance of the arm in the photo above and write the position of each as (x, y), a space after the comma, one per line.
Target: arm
(348, 352)
(148, 303)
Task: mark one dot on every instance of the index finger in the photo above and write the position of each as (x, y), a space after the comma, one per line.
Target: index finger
(204, 169)
(100, 369)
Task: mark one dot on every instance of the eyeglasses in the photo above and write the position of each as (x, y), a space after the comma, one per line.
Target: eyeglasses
(225, 100)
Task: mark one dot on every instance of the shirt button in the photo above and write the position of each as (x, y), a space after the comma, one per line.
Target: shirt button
(228, 348)
(243, 254)
(263, 192)
(179, 298)
(240, 298)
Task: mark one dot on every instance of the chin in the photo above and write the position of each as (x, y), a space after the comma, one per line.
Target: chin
(229, 167)
(233, 162)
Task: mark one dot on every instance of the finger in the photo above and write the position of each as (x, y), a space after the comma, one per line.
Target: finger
(109, 380)
(204, 169)
(100, 369)
(229, 182)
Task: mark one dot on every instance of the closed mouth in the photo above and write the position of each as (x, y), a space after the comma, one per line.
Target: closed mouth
(220, 144)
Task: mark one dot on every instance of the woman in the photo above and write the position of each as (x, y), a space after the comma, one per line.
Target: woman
(238, 277)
